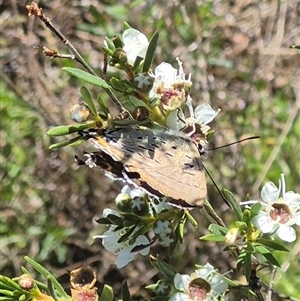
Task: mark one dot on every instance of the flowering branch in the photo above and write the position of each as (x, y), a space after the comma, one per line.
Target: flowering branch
(156, 148)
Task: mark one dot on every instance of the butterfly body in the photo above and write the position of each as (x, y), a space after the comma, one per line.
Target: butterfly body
(162, 162)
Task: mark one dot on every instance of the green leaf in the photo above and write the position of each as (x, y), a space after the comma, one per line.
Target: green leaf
(272, 244)
(180, 228)
(241, 225)
(150, 52)
(217, 229)
(125, 292)
(87, 96)
(62, 130)
(166, 269)
(107, 294)
(126, 25)
(272, 259)
(7, 298)
(246, 291)
(261, 249)
(51, 289)
(104, 221)
(233, 204)
(213, 237)
(71, 142)
(241, 259)
(47, 275)
(121, 85)
(191, 219)
(255, 209)
(103, 105)
(6, 293)
(92, 79)
(126, 235)
(6, 282)
(248, 265)
(108, 51)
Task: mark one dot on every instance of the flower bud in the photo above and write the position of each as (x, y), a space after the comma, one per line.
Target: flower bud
(123, 203)
(80, 112)
(26, 282)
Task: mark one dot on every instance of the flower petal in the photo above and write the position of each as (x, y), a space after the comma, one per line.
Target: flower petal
(135, 44)
(204, 114)
(180, 297)
(297, 218)
(263, 222)
(286, 233)
(219, 284)
(293, 200)
(205, 271)
(143, 240)
(175, 120)
(270, 193)
(165, 72)
(181, 282)
(124, 257)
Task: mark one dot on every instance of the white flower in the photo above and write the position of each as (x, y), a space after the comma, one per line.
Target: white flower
(135, 44)
(135, 192)
(196, 125)
(203, 285)
(123, 250)
(281, 211)
(170, 85)
(164, 230)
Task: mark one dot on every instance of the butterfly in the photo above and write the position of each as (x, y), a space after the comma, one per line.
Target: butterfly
(162, 162)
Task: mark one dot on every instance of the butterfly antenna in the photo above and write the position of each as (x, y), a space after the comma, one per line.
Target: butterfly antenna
(235, 142)
(215, 184)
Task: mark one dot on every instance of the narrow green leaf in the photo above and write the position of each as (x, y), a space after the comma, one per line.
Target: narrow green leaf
(121, 85)
(71, 142)
(180, 229)
(213, 237)
(51, 289)
(107, 294)
(150, 52)
(247, 265)
(126, 235)
(104, 221)
(87, 96)
(6, 282)
(272, 244)
(7, 298)
(6, 293)
(125, 292)
(241, 259)
(131, 102)
(166, 269)
(102, 105)
(63, 130)
(255, 209)
(234, 204)
(126, 25)
(261, 249)
(92, 79)
(108, 51)
(191, 219)
(217, 229)
(47, 274)
(272, 259)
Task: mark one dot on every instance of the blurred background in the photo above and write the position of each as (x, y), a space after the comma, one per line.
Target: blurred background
(239, 57)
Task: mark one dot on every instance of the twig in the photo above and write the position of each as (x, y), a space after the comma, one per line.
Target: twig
(272, 280)
(34, 10)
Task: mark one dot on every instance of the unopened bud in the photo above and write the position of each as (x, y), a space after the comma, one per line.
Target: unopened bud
(26, 282)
